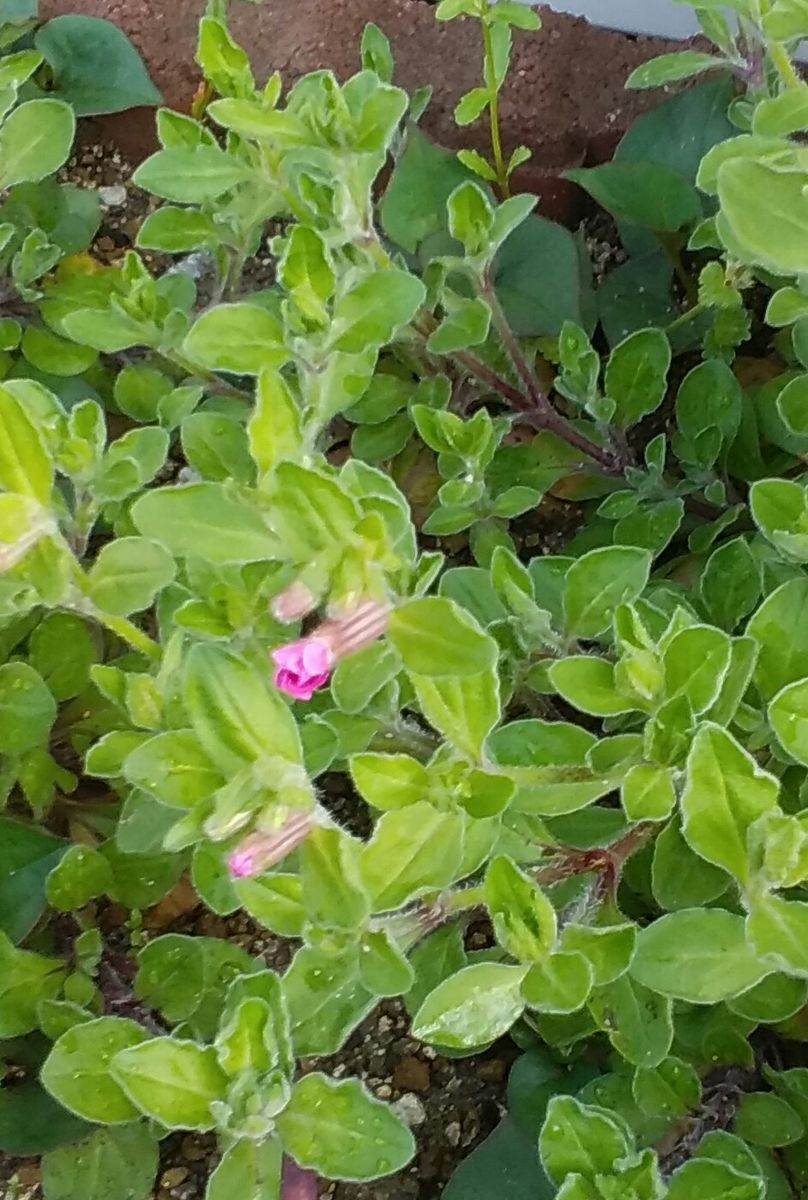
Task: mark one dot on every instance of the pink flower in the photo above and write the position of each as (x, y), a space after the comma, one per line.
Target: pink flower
(260, 851)
(303, 666)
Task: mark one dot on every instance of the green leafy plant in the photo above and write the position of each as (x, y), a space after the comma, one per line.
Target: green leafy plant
(251, 535)
(496, 22)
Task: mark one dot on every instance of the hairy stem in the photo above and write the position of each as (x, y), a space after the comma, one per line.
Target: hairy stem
(785, 67)
(125, 629)
(685, 318)
(536, 404)
(493, 115)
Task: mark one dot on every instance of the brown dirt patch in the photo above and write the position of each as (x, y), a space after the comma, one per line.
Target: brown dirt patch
(565, 97)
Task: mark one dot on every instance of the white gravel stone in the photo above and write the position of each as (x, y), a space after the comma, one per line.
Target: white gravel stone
(112, 197)
(410, 1109)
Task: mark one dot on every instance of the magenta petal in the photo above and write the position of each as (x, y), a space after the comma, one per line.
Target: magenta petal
(316, 658)
(302, 667)
(241, 864)
(287, 656)
(287, 681)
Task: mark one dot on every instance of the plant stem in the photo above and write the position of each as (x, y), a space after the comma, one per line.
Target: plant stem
(125, 629)
(671, 244)
(493, 114)
(785, 67)
(536, 405)
(689, 315)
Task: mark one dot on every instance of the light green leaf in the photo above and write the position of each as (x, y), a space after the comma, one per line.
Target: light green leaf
(216, 447)
(698, 955)
(559, 984)
(730, 582)
(340, 1130)
(27, 708)
(547, 760)
(766, 232)
(174, 767)
(326, 999)
(696, 661)
(778, 931)
(778, 116)
(274, 901)
(588, 683)
(669, 68)
(174, 1082)
(383, 966)
(128, 574)
(120, 1161)
(524, 919)
(25, 465)
(35, 140)
(26, 978)
(249, 1170)
(274, 429)
(472, 1008)
(412, 850)
(637, 374)
(171, 975)
(607, 948)
(648, 793)
(389, 781)
(711, 1180)
(81, 874)
(332, 882)
(780, 627)
(243, 338)
(205, 520)
(464, 708)
(788, 717)
(78, 1073)
(235, 715)
(638, 1021)
(191, 174)
(670, 1089)
(375, 309)
(578, 1139)
(598, 582)
(435, 637)
(726, 791)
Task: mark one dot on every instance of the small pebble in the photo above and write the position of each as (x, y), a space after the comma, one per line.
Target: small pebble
(452, 1132)
(410, 1109)
(192, 1150)
(173, 1177)
(113, 197)
(412, 1075)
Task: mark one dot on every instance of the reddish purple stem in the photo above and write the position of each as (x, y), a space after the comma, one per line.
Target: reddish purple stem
(297, 1184)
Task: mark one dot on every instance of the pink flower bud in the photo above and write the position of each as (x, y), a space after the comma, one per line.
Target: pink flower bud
(297, 1184)
(260, 851)
(303, 666)
(294, 602)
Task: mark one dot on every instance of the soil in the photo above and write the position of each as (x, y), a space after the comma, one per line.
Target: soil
(564, 98)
